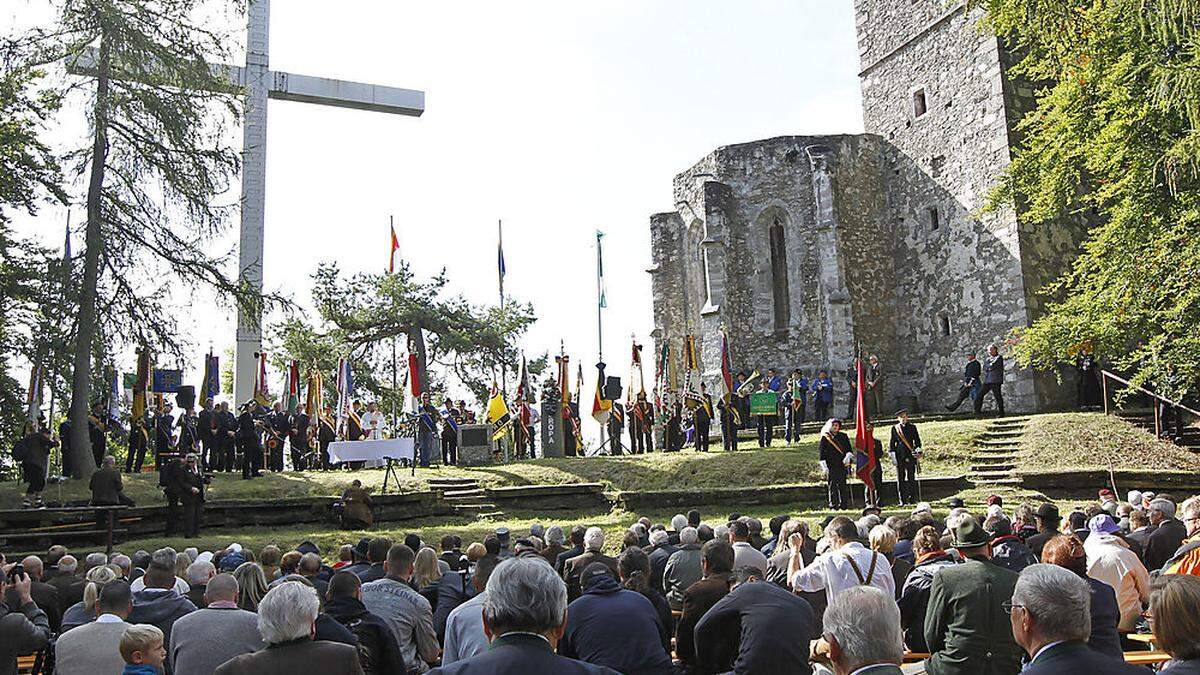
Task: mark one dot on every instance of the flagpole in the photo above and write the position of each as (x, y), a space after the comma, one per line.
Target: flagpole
(395, 393)
(503, 351)
(600, 302)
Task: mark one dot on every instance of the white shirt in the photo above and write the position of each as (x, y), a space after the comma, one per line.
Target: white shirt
(464, 631)
(372, 424)
(832, 572)
(139, 584)
(1110, 560)
(109, 618)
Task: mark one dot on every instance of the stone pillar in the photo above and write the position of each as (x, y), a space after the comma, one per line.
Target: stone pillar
(254, 186)
(837, 309)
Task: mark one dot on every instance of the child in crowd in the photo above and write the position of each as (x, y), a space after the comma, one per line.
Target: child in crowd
(143, 650)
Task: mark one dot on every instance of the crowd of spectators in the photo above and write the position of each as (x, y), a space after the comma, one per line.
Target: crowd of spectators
(998, 591)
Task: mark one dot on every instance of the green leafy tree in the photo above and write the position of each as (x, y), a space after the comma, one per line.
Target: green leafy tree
(360, 316)
(29, 174)
(156, 165)
(1114, 139)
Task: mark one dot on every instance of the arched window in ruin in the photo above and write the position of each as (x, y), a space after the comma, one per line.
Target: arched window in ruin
(779, 275)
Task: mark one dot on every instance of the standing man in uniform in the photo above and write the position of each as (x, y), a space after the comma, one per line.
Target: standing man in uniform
(729, 421)
(206, 428)
(189, 432)
(702, 418)
(993, 378)
(874, 386)
(139, 442)
(766, 423)
(450, 434)
(427, 432)
(970, 381)
(164, 435)
(905, 448)
(641, 425)
(797, 406)
(298, 441)
(33, 452)
(822, 389)
(280, 427)
(852, 383)
(326, 434)
(189, 486)
(616, 425)
(97, 426)
(226, 438)
(250, 441)
(834, 450)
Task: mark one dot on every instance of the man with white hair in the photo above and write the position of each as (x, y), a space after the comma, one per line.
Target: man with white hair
(593, 542)
(287, 617)
(524, 617)
(554, 544)
(678, 522)
(659, 552)
(1187, 559)
(1169, 533)
(1051, 621)
(862, 629)
(68, 584)
(683, 568)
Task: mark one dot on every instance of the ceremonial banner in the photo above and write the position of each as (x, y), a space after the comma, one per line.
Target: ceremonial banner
(141, 385)
(262, 392)
(293, 391)
(864, 438)
(691, 373)
(33, 399)
(210, 382)
(114, 398)
(601, 407)
(395, 251)
(312, 403)
(764, 403)
(166, 381)
(345, 390)
(497, 414)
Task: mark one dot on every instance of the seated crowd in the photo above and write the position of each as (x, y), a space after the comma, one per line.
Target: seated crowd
(998, 592)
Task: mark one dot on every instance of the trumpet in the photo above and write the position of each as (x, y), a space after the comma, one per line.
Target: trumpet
(743, 388)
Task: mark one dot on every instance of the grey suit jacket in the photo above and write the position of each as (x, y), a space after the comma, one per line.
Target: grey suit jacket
(89, 649)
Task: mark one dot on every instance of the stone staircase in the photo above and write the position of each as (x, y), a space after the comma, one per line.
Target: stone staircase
(995, 454)
(1144, 419)
(466, 497)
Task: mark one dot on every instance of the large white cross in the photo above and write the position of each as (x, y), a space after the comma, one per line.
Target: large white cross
(261, 83)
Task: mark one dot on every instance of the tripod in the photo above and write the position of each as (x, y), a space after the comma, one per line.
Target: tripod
(389, 472)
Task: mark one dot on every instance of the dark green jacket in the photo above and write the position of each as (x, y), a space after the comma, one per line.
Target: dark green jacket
(966, 628)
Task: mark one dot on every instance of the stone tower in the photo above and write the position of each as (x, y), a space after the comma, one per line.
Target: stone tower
(803, 247)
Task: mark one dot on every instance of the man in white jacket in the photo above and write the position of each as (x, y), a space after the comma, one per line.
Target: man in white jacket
(1110, 560)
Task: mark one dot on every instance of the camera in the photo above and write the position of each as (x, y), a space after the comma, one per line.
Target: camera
(17, 572)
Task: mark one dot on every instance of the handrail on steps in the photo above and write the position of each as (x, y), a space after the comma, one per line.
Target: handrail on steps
(1106, 375)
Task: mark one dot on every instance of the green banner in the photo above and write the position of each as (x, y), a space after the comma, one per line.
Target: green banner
(764, 403)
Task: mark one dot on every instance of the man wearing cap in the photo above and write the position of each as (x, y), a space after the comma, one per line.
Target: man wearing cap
(614, 627)
(966, 627)
(1110, 560)
(503, 536)
(905, 447)
(1168, 534)
(1047, 524)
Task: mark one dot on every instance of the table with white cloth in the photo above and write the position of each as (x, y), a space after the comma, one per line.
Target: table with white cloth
(362, 451)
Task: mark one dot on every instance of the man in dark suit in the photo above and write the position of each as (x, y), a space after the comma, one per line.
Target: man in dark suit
(1050, 619)
(971, 374)
(716, 563)
(250, 440)
(833, 448)
(560, 562)
(593, 542)
(298, 440)
(44, 595)
(206, 420)
(106, 485)
(226, 438)
(616, 425)
(524, 620)
(290, 647)
(164, 433)
(774, 626)
(1169, 533)
(702, 416)
(1047, 523)
(905, 447)
(993, 379)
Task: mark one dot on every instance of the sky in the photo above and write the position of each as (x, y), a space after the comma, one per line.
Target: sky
(558, 118)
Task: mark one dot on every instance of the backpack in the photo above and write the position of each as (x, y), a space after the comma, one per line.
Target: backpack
(20, 451)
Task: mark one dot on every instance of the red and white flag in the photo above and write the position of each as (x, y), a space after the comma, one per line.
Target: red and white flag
(395, 255)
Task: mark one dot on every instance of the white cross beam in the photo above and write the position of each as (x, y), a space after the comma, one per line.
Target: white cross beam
(260, 83)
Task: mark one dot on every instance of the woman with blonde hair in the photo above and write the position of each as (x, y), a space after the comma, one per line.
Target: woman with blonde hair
(1173, 603)
(427, 574)
(252, 585)
(85, 611)
(182, 560)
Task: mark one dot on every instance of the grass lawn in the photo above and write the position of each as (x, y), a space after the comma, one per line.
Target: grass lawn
(947, 453)
(1067, 441)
